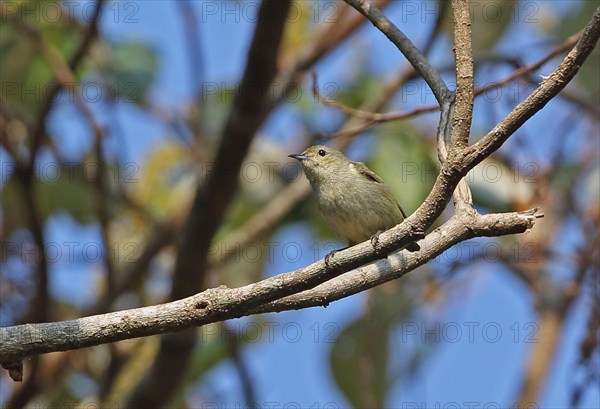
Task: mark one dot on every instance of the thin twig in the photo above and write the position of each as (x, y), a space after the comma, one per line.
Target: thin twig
(549, 88)
(39, 130)
(371, 118)
(233, 346)
(406, 47)
(528, 68)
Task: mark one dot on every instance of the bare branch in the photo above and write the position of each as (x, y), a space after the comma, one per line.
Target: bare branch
(457, 229)
(39, 131)
(463, 57)
(457, 167)
(221, 303)
(371, 118)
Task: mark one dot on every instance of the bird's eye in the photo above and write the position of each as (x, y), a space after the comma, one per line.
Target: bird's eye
(322, 152)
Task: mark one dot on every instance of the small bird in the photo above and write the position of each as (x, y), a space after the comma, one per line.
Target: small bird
(355, 202)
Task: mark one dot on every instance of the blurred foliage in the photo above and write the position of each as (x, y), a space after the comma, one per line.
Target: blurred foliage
(403, 159)
(129, 71)
(490, 20)
(59, 187)
(587, 77)
(165, 180)
(26, 75)
(360, 360)
(362, 88)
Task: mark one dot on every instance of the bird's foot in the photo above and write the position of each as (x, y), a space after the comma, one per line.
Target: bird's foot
(328, 257)
(375, 240)
(412, 247)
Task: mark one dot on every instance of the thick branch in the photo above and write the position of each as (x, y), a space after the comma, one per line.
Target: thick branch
(250, 108)
(249, 111)
(218, 304)
(457, 229)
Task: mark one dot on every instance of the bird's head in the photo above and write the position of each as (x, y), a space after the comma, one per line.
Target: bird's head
(322, 163)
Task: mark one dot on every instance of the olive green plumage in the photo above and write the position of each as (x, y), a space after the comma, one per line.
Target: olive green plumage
(355, 202)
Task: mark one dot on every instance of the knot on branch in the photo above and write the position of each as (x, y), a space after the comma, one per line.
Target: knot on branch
(15, 370)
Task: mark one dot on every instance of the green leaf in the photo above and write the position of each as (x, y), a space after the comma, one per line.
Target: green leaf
(56, 188)
(131, 70)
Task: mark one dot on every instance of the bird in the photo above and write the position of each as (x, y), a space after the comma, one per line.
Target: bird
(354, 201)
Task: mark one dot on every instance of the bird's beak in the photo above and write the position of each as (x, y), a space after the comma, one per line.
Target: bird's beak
(298, 156)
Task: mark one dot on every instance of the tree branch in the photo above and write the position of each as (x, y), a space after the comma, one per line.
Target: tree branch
(457, 114)
(221, 303)
(459, 165)
(371, 118)
(458, 228)
(463, 57)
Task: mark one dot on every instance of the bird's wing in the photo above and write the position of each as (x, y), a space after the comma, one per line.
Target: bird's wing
(366, 172)
(369, 174)
(401, 210)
